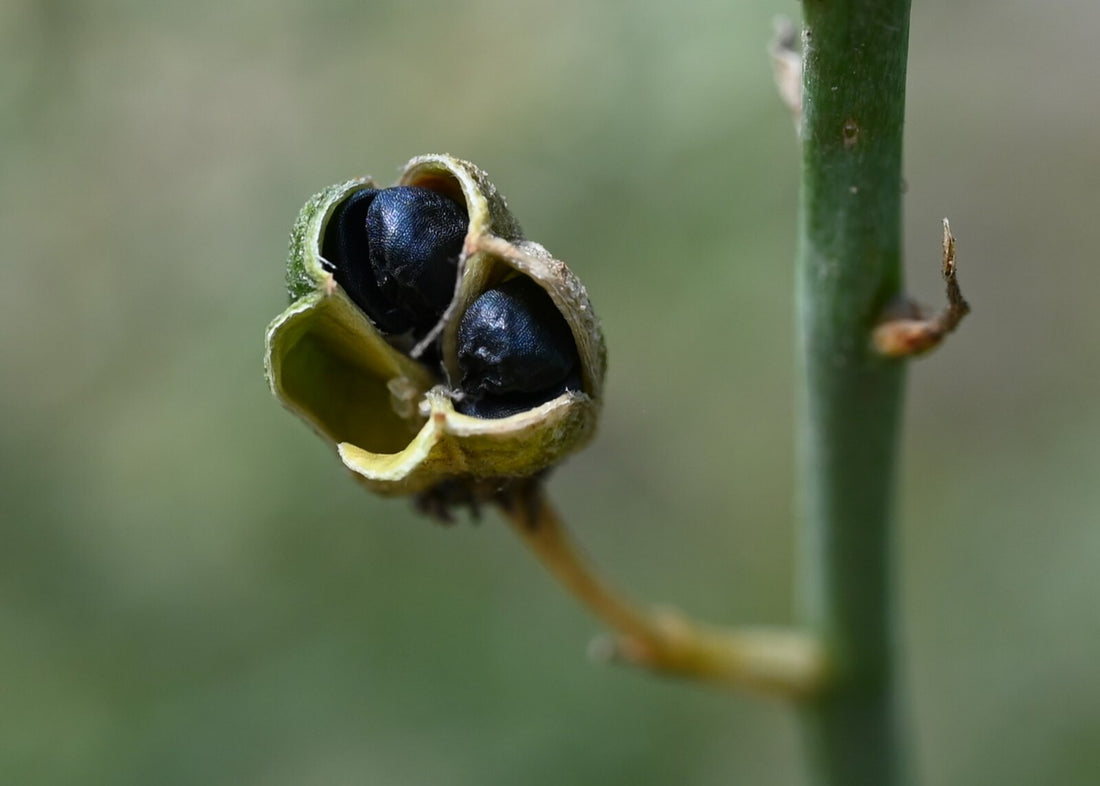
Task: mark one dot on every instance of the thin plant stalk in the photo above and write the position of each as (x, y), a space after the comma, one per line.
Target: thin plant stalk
(849, 269)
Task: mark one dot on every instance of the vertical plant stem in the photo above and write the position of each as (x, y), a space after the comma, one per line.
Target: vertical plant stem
(850, 400)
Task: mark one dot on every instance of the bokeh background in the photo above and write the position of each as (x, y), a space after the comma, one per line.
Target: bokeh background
(192, 591)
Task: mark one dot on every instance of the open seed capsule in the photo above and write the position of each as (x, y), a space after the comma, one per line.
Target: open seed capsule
(428, 339)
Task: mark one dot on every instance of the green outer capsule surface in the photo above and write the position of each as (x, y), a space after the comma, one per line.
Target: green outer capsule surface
(391, 416)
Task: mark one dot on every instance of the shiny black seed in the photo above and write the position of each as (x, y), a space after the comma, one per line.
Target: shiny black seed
(395, 252)
(515, 351)
(416, 237)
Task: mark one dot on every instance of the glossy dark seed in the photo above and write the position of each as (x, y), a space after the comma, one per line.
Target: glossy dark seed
(396, 253)
(416, 238)
(515, 351)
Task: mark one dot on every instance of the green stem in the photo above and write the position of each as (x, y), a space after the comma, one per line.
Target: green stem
(850, 402)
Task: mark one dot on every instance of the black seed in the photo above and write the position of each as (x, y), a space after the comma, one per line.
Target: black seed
(515, 351)
(396, 253)
(416, 238)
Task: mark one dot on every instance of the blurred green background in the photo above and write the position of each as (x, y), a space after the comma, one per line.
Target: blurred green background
(192, 590)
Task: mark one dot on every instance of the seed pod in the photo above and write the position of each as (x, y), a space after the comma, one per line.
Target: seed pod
(374, 358)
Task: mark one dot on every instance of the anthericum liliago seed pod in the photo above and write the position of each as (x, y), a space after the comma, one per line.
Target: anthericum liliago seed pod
(418, 392)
